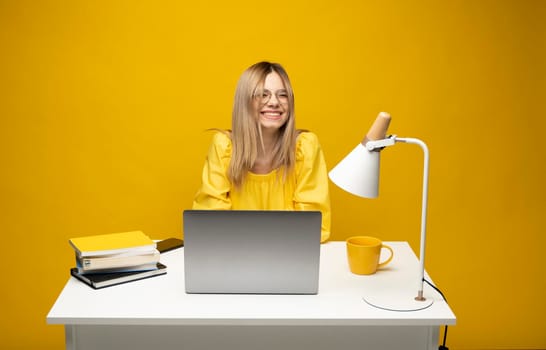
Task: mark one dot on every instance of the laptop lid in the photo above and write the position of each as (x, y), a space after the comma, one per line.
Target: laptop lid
(260, 252)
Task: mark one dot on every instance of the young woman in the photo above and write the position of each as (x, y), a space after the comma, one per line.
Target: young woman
(264, 163)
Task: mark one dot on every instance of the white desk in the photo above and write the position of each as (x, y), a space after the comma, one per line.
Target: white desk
(156, 313)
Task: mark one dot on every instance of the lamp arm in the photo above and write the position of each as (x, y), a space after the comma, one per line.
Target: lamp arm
(377, 145)
(423, 211)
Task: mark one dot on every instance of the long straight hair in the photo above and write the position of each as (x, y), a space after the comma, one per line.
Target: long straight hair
(246, 134)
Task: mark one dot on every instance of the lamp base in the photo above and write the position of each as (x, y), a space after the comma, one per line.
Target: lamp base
(398, 302)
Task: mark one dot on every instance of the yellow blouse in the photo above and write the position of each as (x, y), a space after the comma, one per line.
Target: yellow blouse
(305, 189)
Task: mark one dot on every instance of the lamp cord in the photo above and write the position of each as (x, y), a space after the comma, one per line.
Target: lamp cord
(443, 346)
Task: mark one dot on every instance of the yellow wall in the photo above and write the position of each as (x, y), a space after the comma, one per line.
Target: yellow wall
(103, 106)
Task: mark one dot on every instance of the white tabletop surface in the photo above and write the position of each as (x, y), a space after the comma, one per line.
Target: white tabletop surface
(162, 300)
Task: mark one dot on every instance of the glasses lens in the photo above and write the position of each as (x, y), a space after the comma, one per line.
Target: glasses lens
(266, 96)
(282, 96)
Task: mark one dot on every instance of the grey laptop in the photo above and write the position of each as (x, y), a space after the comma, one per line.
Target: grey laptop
(260, 252)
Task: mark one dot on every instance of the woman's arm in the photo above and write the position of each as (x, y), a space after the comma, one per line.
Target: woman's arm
(215, 185)
(312, 180)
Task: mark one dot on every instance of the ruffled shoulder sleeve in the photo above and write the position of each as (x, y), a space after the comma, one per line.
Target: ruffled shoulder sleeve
(312, 180)
(221, 148)
(306, 144)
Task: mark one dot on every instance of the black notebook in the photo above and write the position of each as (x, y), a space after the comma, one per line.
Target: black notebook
(101, 280)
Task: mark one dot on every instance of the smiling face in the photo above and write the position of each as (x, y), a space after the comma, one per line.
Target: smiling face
(272, 103)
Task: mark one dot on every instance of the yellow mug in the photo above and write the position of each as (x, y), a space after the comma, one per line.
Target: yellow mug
(363, 254)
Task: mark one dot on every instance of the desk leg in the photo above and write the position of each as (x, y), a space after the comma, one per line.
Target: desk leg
(433, 337)
(70, 336)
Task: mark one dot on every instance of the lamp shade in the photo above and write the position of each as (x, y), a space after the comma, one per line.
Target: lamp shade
(358, 173)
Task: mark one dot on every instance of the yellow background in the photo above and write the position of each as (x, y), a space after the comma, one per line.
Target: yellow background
(103, 106)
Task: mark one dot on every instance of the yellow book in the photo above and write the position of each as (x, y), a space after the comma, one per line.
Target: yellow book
(112, 243)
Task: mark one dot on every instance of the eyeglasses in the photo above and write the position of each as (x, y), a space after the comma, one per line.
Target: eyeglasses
(263, 96)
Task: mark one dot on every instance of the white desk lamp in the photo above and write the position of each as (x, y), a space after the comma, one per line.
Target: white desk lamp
(358, 174)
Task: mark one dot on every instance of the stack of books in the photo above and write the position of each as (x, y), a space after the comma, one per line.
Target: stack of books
(110, 259)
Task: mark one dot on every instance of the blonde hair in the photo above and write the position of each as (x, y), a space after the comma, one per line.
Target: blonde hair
(246, 133)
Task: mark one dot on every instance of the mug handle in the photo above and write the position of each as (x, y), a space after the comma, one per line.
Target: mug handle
(389, 259)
